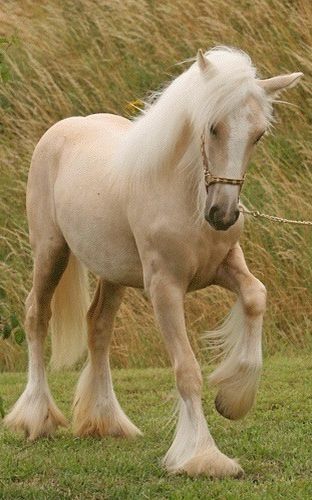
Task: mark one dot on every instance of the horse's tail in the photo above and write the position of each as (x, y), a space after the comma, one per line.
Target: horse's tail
(68, 323)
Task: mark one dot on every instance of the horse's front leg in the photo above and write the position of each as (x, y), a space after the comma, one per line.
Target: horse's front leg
(193, 449)
(239, 338)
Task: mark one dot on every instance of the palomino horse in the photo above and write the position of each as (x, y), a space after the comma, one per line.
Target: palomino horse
(152, 203)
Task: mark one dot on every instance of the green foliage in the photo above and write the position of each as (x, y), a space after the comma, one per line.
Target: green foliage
(2, 413)
(5, 69)
(10, 327)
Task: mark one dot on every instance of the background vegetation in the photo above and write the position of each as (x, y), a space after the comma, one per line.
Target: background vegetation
(68, 57)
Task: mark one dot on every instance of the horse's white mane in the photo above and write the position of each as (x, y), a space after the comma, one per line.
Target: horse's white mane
(190, 98)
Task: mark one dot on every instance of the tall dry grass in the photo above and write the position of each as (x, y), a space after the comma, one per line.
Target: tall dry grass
(75, 57)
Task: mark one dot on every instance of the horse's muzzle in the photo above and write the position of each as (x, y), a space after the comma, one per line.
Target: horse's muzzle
(219, 220)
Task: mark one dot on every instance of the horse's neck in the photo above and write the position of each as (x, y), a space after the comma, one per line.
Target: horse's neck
(161, 152)
(157, 140)
(177, 173)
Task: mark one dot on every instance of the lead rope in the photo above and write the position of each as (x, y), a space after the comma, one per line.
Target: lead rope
(273, 218)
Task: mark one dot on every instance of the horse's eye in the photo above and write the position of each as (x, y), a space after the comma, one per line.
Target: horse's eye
(213, 130)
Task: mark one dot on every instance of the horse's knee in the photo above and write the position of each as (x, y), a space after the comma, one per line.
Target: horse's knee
(99, 335)
(254, 298)
(37, 318)
(189, 378)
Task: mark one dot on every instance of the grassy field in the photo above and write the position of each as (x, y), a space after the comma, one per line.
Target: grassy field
(273, 443)
(63, 57)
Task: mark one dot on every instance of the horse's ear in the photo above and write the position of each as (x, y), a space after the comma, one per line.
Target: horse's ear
(278, 83)
(203, 63)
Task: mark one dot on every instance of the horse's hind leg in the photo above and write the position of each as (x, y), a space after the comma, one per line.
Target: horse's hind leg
(238, 375)
(35, 412)
(96, 408)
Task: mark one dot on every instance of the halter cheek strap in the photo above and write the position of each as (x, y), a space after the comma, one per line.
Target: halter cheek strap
(212, 179)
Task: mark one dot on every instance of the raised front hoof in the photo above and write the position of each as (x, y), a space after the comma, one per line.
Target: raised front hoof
(231, 408)
(211, 463)
(35, 422)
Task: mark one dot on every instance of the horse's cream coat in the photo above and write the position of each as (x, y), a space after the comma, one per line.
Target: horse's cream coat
(127, 199)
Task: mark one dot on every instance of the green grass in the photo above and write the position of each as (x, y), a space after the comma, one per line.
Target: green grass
(273, 443)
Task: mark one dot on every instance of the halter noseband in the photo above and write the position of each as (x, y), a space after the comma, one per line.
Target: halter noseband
(212, 179)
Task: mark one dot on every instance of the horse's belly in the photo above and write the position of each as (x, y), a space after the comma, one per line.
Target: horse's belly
(120, 266)
(105, 253)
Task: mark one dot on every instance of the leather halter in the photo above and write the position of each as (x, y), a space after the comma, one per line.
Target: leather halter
(209, 177)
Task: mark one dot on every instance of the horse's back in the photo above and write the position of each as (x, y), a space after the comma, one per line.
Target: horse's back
(81, 130)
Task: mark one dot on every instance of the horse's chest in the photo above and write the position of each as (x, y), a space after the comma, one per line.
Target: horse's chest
(207, 268)
(211, 249)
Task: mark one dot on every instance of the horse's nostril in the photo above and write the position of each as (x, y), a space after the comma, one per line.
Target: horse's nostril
(220, 219)
(213, 212)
